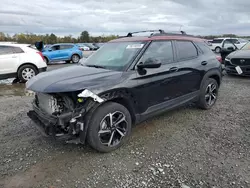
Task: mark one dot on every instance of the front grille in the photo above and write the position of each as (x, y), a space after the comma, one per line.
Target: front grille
(240, 62)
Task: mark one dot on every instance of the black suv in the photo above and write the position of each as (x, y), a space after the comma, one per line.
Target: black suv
(126, 81)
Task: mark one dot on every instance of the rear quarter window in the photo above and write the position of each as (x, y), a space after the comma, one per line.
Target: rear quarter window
(204, 47)
(186, 50)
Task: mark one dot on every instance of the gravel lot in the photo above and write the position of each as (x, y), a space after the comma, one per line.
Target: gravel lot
(187, 147)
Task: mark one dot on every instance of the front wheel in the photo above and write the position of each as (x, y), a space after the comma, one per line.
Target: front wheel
(75, 58)
(208, 94)
(109, 127)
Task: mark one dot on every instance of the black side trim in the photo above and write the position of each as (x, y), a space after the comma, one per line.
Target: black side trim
(44, 69)
(9, 75)
(168, 105)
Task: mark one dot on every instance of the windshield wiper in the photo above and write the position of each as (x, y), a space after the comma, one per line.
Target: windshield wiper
(96, 66)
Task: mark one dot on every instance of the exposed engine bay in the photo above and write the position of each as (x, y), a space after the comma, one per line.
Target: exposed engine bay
(61, 115)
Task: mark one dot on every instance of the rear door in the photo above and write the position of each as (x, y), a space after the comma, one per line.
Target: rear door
(190, 65)
(66, 51)
(9, 59)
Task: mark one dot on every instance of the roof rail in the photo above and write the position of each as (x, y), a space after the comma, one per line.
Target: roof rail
(161, 32)
(130, 34)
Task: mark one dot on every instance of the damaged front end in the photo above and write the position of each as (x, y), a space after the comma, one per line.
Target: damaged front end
(62, 116)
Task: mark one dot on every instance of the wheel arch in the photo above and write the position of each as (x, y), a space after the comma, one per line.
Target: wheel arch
(215, 74)
(28, 63)
(123, 97)
(120, 96)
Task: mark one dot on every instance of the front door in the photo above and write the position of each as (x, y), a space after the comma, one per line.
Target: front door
(158, 85)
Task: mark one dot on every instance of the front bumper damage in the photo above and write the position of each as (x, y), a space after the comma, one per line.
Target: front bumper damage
(50, 125)
(68, 126)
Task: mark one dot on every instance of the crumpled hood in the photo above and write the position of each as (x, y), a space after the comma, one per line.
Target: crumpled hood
(240, 54)
(73, 78)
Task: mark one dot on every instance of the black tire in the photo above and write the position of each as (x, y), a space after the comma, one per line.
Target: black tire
(217, 49)
(93, 137)
(22, 76)
(46, 60)
(75, 58)
(203, 98)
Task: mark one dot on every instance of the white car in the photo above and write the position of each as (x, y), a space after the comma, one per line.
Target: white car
(217, 43)
(20, 61)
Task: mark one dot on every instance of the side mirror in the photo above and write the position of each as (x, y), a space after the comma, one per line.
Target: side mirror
(150, 63)
(50, 50)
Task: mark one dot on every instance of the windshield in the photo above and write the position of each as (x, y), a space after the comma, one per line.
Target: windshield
(114, 56)
(246, 46)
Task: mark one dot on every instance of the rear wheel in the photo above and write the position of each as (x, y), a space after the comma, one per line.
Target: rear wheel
(75, 58)
(208, 94)
(26, 72)
(109, 127)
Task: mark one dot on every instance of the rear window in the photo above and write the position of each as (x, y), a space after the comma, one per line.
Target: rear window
(217, 41)
(186, 50)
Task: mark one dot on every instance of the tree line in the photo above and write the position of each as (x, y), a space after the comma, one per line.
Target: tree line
(31, 38)
(84, 37)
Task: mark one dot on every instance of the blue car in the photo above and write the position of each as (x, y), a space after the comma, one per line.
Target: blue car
(61, 52)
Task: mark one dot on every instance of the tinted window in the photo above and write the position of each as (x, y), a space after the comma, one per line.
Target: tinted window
(4, 50)
(217, 41)
(161, 51)
(63, 47)
(204, 47)
(186, 50)
(57, 47)
(233, 40)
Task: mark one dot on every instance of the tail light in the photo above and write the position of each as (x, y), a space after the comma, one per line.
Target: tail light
(219, 58)
(40, 53)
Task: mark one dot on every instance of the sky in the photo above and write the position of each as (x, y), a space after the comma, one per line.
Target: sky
(70, 17)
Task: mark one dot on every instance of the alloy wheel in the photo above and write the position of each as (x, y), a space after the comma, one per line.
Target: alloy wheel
(211, 94)
(113, 129)
(28, 73)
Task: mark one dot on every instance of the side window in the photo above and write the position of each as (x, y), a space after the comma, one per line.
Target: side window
(5, 50)
(160, 51)
(186, 50)
(64, 47)
(54, 48)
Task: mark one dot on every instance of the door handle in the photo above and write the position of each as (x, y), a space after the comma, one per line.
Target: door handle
(173, 69)
(203, 63)
(14, 56)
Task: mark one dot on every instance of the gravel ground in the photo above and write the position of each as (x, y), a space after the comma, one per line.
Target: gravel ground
(186, 147)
